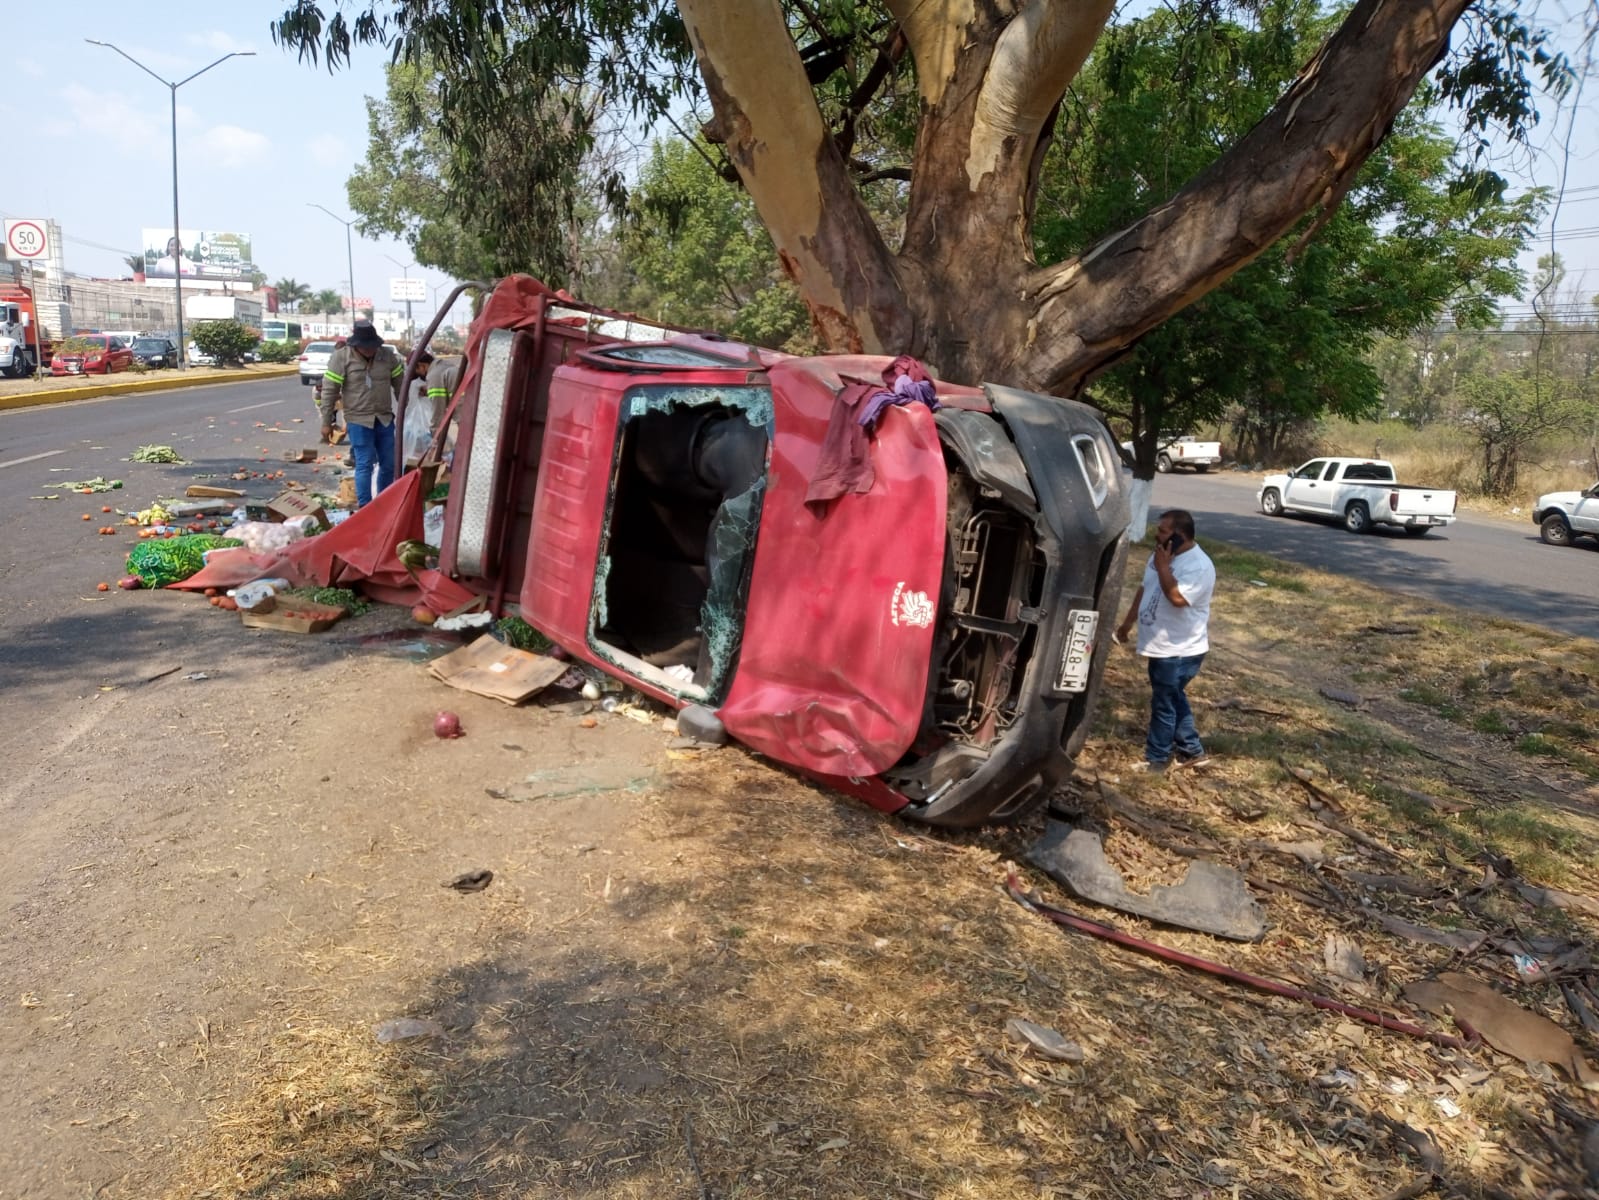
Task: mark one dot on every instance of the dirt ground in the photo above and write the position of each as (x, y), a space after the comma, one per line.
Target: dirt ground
(695, 975)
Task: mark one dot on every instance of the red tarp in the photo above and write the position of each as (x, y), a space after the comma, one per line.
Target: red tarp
(360, 550)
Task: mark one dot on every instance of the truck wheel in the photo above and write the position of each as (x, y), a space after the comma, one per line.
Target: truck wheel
(1163, 464)
(1357, 517)
(1271, 502)
(1554, 530)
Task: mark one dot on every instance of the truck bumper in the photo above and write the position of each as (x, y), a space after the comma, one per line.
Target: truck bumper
(1081, 525)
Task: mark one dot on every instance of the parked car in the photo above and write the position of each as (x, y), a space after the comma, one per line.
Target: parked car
(1185, 451)
(931, 642)
(199, 358)
(86, 354)
(1562, 517)
(314, 360)
(1360, 492)
(155, 352)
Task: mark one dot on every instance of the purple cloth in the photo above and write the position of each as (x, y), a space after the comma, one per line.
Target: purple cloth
(845, 464)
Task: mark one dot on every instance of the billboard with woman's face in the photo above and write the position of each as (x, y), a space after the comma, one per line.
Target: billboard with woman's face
(196, 254)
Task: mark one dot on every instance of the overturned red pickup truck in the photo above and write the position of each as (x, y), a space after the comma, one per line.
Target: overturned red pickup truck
(930, 642)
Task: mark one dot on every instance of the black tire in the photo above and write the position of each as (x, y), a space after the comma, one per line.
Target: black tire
(1163, 464)
(1554, 530)
(1357, 517)
(1417, 530)
(1201, 468)
(305, 380)
(1271, 502)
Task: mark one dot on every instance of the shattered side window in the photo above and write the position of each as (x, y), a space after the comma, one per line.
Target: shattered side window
(688, 482)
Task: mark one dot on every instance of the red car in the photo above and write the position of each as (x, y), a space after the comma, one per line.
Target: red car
(931, 644)
(88, 353)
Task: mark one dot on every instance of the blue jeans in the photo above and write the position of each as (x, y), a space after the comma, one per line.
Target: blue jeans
(1171, 721)
(372, 447)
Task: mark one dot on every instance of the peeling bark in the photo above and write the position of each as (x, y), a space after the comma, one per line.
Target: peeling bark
(767, 118)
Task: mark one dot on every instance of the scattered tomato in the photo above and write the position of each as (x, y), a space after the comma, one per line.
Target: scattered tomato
(212, 592)
(105, 508)
(86, 517)
(102, 587)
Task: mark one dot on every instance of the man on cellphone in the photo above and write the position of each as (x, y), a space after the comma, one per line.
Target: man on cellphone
(1172, 612)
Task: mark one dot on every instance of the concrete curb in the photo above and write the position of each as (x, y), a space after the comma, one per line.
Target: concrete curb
(62, 395)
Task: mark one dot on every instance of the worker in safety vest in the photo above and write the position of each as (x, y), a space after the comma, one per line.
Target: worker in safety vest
(365, 373)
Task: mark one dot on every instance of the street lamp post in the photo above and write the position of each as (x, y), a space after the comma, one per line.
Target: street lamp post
(172, 88)
(405, 269)
(349, 255)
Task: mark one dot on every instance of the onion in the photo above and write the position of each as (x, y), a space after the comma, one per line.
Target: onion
(447, 725)
(130, 583)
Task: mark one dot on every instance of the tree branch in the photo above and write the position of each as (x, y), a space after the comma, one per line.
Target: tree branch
(1038, 55)
(1300, 156)
(768, 122)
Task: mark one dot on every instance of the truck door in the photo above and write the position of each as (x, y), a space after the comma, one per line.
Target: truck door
(1585, 513)
(1305, 489)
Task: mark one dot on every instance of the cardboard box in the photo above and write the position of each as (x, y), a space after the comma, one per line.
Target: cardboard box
(294, 617)
(489, 667)
(346, 496)
(299, 456)
(289, 505)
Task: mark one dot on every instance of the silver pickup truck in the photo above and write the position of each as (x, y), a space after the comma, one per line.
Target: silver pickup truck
(1361, 493)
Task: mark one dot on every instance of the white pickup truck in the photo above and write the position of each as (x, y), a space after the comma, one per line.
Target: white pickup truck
(1563, 516)
(1360, 492)
(1185, 451)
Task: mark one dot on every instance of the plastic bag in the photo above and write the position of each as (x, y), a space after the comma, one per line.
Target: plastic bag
(266, 537)
(433, 525)
(418, 430)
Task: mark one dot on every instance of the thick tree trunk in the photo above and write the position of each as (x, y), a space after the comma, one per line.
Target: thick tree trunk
(767, 119)
(962, 292)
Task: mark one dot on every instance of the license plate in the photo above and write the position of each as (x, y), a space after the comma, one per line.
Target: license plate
(1081, 626)
(74, 369)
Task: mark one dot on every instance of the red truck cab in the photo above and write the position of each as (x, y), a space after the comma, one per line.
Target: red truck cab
(932, 645)
(24, 343)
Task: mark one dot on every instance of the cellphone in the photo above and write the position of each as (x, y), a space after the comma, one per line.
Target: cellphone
(1175, 542)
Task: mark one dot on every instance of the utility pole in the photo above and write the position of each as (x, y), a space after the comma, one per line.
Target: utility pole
(177, 236)
(349, 255)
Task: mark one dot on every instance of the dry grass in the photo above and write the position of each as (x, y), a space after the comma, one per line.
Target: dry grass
(787, 996)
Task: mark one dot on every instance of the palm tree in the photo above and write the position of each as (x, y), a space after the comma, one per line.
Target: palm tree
(292, 293)
(135, 263)
(329, 301)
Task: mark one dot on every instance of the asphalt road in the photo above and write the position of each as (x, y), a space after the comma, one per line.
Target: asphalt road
(52, 619)
(1482, 563)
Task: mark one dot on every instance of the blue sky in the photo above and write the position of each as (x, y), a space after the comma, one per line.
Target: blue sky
(259, 138)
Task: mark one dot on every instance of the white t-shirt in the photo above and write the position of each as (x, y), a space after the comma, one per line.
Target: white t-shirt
(1165, 630)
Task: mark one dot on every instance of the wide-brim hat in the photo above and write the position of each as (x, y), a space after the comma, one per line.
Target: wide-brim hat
(365, 336)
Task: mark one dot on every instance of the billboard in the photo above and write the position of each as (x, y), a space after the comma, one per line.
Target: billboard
(196, 254)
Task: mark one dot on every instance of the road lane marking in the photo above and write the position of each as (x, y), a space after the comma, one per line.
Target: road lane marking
(250, 407)
(17, 462)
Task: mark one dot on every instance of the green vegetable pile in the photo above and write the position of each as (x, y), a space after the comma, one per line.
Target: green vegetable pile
(98, 484)
(350, 601)
(519, 635)
(441, 491)
(157, 454)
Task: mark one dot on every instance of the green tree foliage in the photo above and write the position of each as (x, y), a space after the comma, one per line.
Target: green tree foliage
(226, 341)
(1508, 414)
(135, 263)
(699, 256)
(1290, 336)
(327, 302)
(292, 293)
(476, 203)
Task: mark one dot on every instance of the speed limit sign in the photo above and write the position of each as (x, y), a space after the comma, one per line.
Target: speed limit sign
(27, 239)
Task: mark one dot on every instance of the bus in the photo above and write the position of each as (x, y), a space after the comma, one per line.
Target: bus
(277, 329)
